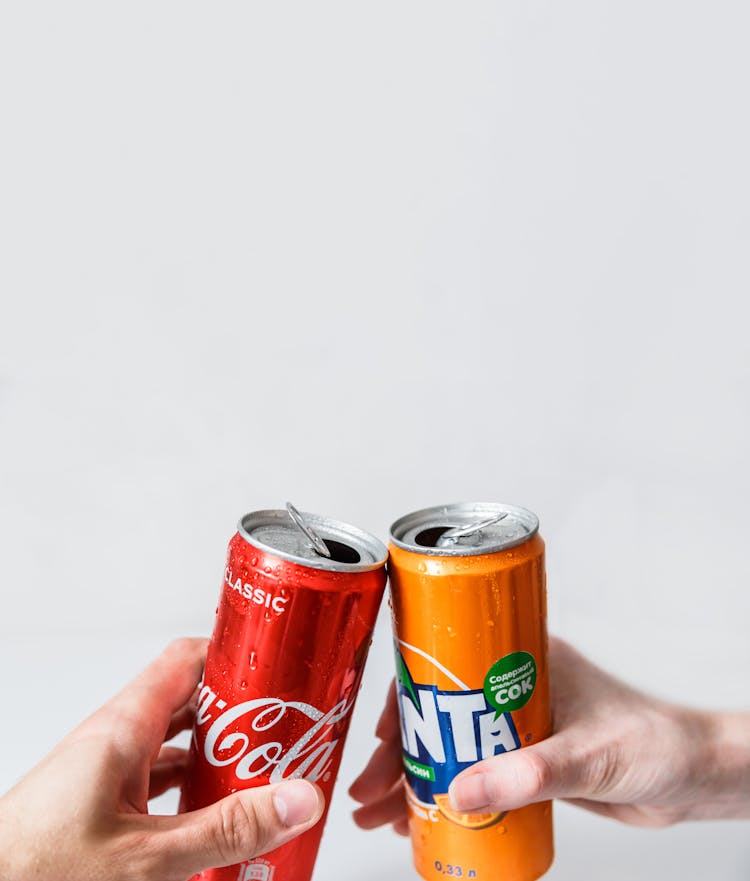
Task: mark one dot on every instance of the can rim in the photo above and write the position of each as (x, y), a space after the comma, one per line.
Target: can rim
(440, 515)
(327, 527)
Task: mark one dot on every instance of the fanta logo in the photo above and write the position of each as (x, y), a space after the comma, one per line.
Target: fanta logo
(256, 595)
(455, 725)
(443, 732)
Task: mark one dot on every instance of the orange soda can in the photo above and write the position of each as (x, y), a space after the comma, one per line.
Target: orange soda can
(472, 674)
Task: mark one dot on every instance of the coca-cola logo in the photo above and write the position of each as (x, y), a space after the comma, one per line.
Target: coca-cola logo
(310, 756)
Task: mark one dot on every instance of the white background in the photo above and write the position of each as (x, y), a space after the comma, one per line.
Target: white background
(371, 257)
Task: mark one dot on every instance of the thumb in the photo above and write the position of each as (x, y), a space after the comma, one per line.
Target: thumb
(511, 780)
(239, 827)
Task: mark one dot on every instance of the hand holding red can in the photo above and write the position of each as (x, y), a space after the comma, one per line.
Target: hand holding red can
(298, 603)
(83, 811)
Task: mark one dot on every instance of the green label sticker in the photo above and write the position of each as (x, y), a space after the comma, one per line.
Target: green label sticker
(510, 682)
(424, 772)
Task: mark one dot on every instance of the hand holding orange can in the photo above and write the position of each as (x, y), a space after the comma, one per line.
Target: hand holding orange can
(472, 676)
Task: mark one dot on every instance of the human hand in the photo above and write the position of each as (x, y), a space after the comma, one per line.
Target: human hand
(82, 813)
(614, 751)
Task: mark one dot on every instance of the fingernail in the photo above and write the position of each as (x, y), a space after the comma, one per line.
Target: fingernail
(471, 793)
(296, 801)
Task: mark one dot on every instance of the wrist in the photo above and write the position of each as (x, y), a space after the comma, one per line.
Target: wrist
(723, 772)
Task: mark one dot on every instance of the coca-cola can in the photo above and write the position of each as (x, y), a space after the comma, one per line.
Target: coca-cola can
(297, 607)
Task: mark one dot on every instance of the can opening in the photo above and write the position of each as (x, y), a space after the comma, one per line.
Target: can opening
(340, 552)
(428, 538)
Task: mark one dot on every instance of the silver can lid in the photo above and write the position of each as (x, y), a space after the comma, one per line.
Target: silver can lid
(464, 529)
(351, 549)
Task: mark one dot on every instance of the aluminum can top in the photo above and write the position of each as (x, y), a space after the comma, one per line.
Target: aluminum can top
(464, 529)
(351, 549)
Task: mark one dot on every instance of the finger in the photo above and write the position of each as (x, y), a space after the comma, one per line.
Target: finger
(389, 727)
(389, 809)
(550, 769)
(234, 829)
(170, 755)
(401, 826)
(166, 777)
(383, 770)
(141, 713)
(182, 720)
(168, 770)
(596, 807)
(633, 815)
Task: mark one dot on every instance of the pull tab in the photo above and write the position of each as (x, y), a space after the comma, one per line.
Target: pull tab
(453, 535)
(319, 546)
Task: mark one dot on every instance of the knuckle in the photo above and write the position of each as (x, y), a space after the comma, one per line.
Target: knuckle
(183, 646)
(122, 739)
(236, 831)
(560, 648)
(602, 769)
(539, 774)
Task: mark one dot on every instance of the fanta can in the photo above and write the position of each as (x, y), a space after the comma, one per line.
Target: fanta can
(472, 675)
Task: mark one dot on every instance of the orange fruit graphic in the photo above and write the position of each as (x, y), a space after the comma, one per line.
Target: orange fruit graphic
(468, 821)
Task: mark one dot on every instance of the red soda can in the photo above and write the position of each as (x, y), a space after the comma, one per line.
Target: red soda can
(297, 607)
